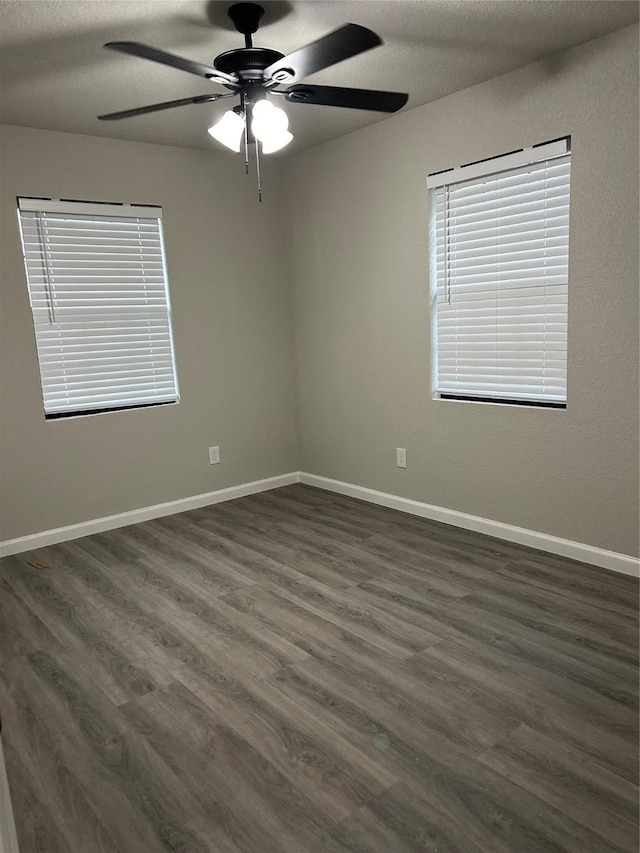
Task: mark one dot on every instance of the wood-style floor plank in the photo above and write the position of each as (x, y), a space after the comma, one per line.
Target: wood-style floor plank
(83, 627)
(261, 810)
(298, 744)
(21, 630)
(302, 672)
(562, 777)
(42, 773)
(489, 682)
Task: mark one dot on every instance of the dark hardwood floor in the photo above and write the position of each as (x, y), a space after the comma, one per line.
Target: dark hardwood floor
(299, 672)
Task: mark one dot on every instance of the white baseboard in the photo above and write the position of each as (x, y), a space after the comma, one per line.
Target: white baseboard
(123, 519)
(542, 541)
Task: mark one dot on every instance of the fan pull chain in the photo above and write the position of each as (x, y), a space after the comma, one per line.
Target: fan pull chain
(258, 171)
(245, 112)
(246, 134)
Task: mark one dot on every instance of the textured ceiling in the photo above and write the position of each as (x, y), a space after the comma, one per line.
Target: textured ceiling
(55, 74)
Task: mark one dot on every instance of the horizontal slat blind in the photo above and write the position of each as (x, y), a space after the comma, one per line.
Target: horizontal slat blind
(501, 259)
(101, 312)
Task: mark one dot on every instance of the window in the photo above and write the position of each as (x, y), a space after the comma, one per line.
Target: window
(499, 272)
(100, 302)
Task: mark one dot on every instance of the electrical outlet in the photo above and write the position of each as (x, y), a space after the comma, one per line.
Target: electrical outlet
(214, 455)
(401, 457)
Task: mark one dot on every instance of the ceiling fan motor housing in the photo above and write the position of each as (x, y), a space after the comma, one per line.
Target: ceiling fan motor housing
(247, 63)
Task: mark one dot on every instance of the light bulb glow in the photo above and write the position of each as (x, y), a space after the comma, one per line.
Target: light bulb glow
(269, 125)
(228, 130)
(268, 120)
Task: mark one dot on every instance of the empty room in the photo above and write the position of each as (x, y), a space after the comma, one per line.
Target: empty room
(319, 446)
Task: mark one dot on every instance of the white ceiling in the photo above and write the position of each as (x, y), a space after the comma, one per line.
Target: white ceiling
(55, 74)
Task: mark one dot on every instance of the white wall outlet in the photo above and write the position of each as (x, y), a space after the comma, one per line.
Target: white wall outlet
(401, 457)
(214, 455)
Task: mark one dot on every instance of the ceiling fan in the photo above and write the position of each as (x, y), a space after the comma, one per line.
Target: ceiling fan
(255, 73)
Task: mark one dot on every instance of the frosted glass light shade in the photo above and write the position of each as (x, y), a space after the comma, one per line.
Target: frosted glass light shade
(228, 130)
(276, 142)
(269, 125)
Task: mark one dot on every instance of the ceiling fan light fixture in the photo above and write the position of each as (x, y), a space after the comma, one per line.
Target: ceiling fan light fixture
(276, 142)
(269, 124)
(229, 129)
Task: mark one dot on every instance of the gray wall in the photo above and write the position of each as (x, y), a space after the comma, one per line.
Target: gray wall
(232, 327)
(359, 265)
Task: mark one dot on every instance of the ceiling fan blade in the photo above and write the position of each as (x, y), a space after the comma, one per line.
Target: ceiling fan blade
(144, 51)
(334, 47)
(165, 105)
(355, 99)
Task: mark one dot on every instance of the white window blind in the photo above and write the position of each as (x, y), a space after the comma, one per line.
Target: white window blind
(100, 302)
(501, 241)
